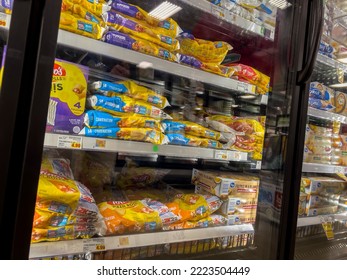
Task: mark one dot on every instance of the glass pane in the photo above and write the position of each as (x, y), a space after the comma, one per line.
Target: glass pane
(161, 128)
(322, 218)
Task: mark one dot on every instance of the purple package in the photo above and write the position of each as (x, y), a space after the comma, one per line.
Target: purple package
(68, 98)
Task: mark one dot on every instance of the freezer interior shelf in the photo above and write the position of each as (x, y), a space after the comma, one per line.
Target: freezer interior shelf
(111, 145)
(78, 246)
(329, 63)
(316, 220)
(323, 168)
(326, 115)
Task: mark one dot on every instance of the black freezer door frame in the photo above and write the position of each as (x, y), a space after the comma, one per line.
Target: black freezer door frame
(24, 97)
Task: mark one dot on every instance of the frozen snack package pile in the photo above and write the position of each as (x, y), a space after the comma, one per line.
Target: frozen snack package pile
(188, 133)
(238, 193)
(318, 143)
(243, 134)
(65, 209)
(321, 97)
(323, 195)
(131, 27)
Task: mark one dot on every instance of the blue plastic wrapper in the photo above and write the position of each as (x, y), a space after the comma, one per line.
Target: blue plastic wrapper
(172, 126)
(113, 105)
(320, 91)
(105, 86)
(94, 118)
(320, 104)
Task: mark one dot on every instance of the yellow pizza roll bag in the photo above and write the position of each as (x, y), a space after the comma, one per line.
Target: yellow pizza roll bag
(124, 25)
(80, 26)
(92, 6)
(129, 216)
(206, 51)
(80, 11)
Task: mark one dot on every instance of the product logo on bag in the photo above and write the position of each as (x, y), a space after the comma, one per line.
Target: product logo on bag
(58, 71)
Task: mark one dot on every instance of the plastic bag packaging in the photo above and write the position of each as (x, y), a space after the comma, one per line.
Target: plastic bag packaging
(125, 25)
(120, 105)
(193, 207)
(133, 134)
(80, 26)
(59, 166)
(98, 119)
(133, 175)
(319, 104)
(221, 70)
(131, 89)
(206, 51)
(166, 216)
(209, 221)
(191, 128)
(167, 27)
(129, 216)
(94, 6)
(190, 140)
(137, 44)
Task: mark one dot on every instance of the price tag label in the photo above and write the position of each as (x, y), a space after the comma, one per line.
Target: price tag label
(236, 156)
(241, 87)
(258, 165)
(94, 244)
(339, 169)
(218, 11)
(69, 142)
(222, 155)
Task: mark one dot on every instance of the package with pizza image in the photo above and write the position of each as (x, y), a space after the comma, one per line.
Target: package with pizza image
(251, 75)
(122, 24)
(166, 27)
(60, 166)
(194, 207)
(80, 26)
(204, 50)
(6, 6)
(68, 98)
(137, 44)
(131, 89)
(94, 6)
(129, 216)
(190, 140)
(99, 119)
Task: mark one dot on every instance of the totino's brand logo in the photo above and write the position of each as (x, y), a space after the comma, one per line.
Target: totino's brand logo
(58, 70)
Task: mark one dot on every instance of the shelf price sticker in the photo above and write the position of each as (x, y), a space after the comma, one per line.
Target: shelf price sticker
(94, 244)
(221, 155)
(258, 165)
(69, 142)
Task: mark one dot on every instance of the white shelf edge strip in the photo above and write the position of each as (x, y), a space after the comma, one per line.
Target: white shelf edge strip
(326, 115)
(77, 246)
(112, 145)
(80, 42)
(323, 168)
(316, 220)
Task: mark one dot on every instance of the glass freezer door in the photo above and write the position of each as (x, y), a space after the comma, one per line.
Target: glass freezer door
(168, 131)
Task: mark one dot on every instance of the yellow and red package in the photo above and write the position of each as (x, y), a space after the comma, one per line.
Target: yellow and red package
(60, 166)
(194, 207)
(94, 6)
(125, 25)
(129, 216)
(204, 50)
(252, 76)
(80, 26)
(166, 27)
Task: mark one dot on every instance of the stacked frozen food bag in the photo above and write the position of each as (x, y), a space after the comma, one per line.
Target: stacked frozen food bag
(243, 134)
(125, 110)
(321, 97)
(204, 54)
(65, 209)
(238, 192)
(324, 195)
(82, 17)
(131, 27)
(188, 133)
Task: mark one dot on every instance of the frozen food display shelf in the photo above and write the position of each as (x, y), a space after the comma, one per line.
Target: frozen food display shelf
(326, 115)
(323, 168)
(227, 16)
(329, 63)
(316, 220)
(46, 249)
(94, 46)
(64, 141)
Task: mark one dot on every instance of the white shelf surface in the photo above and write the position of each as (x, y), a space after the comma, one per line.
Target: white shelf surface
(227, 16)
(110, 145)
(316, 220)
(46, 249)
(323, 168)
(326, 115)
